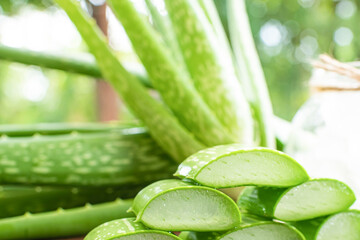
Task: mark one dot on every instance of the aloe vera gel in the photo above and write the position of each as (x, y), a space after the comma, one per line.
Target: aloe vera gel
(127, 229)
(174, 205)
(309, 200)
(343, 225)
(243, 166)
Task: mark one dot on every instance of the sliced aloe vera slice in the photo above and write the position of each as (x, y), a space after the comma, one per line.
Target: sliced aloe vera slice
(243, 166)
(127, 229)
(264, 230)
(174, 205)
(309, 200)
(251, 228)
(344, 225)
(199, 235)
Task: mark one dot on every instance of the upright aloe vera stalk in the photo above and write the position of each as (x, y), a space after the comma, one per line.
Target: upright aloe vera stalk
(16, 200)
(162, 125)
(129, 156)
(77, 64)
(210, 65)
(127, 229)
(250, 70)
(174, 86)
(162, 23)
(62, 223)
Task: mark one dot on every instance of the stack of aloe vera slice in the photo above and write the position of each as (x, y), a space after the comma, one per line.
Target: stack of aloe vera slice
(279, 201)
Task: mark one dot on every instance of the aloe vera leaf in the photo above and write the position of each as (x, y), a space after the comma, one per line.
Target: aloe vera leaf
(130, 156)
(214, 18)
(27, 130)
(162, 24)
(174, 205)
(343, 225)
(243, 166)
(76, 64)
(251, 73)
(174, 86)
(16, 200)
(211, 68)
(308, 200)
(127, 229)
(62, 223)
(162, 125)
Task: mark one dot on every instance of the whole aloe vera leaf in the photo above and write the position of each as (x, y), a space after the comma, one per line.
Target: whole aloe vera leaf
(76, 64)
(174, 86)
(343, 225)
(211, 68)
(62, 223)
(162, 24)
(27, 130)
(312, 199)
(250, 70)
(243, 167)
(162, 125)
(16, 200)
(127, 229)
(174, 205)
(130, 156)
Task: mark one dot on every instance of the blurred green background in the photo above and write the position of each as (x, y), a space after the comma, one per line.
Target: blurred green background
(288, 35)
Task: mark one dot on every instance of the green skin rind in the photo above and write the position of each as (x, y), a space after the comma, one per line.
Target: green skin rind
(151, 192)
(122, 227)
(250, 71)
(129, 156)
(62, 223)
(163, 126)
(211, 69)
(263, 201)
(193, 165)
(74, 64)
(311, 228)
(173, 85)
(16, 200)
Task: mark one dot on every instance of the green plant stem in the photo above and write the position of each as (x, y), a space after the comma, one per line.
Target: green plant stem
(16, 200)
(250, 70)
(163, 126)
(62, 223)
(76, 64)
